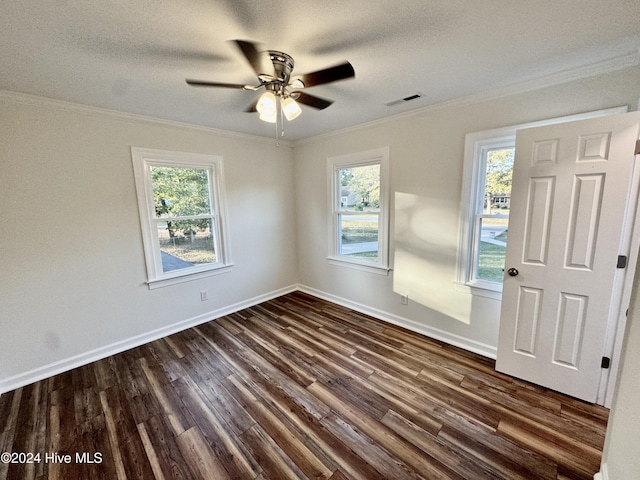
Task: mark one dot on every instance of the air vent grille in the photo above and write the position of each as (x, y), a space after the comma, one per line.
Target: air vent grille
(415, 96)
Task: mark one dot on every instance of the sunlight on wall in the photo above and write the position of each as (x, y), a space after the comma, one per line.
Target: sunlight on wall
(425, 255)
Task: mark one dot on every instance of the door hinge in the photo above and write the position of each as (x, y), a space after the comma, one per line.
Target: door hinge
(622, 261)
(637, 147)
(606, 362)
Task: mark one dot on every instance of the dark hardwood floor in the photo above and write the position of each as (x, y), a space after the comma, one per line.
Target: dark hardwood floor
(296, 388)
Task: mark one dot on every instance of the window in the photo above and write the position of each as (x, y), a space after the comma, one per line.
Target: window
(490, 212)
(486, 201)
(359, 210)
(180, 203)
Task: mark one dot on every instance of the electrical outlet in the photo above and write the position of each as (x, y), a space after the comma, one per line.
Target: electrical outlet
(404, 299)
(204, 295)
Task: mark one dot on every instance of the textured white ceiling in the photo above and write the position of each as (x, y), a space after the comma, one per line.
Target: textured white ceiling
(133, 56)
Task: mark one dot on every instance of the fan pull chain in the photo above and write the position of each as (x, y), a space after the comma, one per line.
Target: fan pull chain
(281, 117)
(281, 131)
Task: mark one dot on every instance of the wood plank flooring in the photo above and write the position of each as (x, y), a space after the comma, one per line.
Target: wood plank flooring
(297, 388)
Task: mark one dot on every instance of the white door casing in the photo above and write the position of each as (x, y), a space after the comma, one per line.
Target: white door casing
(571, 186)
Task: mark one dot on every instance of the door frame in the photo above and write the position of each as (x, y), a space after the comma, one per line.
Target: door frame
(617, 322)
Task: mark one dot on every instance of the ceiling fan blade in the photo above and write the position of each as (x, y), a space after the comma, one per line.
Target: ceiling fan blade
(339, 72)
(311, 100)
(204, 83)
(259, 60)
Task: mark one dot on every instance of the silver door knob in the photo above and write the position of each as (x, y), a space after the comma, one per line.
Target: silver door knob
(513, 271)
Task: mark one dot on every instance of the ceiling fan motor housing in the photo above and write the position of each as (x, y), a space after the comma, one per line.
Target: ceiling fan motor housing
(282, 64)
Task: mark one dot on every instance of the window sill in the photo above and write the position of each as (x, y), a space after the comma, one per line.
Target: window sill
(365, 267)
(188, 277)
(494, 293)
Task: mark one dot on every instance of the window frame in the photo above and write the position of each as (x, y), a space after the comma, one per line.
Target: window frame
(145, 158)
(379, 156)
(476, 144)
(483, 146)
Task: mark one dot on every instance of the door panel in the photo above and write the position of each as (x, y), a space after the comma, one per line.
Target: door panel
(585, 217)
(571, 184)
(527, 320)
(537, 223)
(569, 329)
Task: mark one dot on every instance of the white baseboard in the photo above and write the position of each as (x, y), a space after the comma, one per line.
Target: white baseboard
(432, 332)
(45, 371)
(603, 474)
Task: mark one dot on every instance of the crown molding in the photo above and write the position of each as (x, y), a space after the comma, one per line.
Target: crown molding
(8, 96)
(631, 59)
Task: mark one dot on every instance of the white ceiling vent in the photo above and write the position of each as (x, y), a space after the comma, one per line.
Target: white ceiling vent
(415, 96)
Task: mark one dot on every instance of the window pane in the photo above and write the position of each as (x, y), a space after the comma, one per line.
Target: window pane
(360, 189)
(180, 191)
(186, 243)
(359, 235)
(497, 186)
(492, 249)
(497, 201)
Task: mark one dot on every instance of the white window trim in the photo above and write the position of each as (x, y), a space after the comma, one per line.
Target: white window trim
(143, 159)
(334, 164)
(475, 144)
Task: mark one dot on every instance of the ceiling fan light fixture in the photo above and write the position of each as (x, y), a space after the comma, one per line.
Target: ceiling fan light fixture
(290, 108)
(268, 117)
(267, 107)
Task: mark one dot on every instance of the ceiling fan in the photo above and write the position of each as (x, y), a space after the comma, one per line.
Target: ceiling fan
(282, 90)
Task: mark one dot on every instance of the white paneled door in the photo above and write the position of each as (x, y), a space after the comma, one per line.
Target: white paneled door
(571, 186)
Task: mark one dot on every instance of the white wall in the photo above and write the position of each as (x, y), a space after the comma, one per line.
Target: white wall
(72, 267)
(426, 153)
